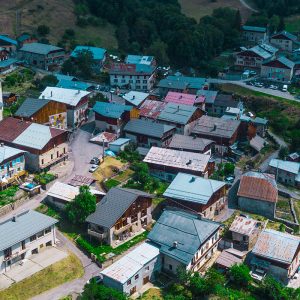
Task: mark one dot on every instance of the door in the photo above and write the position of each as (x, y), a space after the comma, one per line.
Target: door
(133, 290)
(146, 280)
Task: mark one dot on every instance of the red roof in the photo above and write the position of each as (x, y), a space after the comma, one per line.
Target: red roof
(11, 128)
(180, 98)
(151, 109)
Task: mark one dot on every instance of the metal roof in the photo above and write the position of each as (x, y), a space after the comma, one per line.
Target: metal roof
(131, 263)
(277, 246)
(177, 159)
(8, 40)
(119, 142)
(227, 259)
(111, 110)
(245, 226)
(75, 85)
(258, 143)
(139, 59)
(254, 28)
(67, 96)
(188, 230)
(30, 106)
(65, 77)
(190, 143)
(180, 98)
(286, 34)
(210, 96)
(131, 69)
(151, 109)
(39, 48)
(7, 152)
(26, 225)
(98, 53)
(288, 166)
(283, 60)
(7, 62)
(193, 188)
(182, 82)
(114, 205)
(147, 128)
(135, 98)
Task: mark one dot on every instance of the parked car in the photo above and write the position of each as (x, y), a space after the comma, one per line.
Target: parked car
(284, 88)
(93, 168)
(229, 179)
(98, 279)
(95, 161)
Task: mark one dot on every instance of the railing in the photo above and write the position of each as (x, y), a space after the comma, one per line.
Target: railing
(97, 234)
(122, 229)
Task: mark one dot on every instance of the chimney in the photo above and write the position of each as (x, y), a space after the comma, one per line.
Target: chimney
(14, 218)
(215, 127)
(192, 179)
(189, 162)
(51, 93)
(175, 244)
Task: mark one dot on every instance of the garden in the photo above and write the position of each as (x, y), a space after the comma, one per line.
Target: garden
(7, 195)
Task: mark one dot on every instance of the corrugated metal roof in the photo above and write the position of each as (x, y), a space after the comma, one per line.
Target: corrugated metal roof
(7, 152)
(98, 53)
(188, 230)
(111, 110)
(135, 98)
(227, 259)
(40, 48)
(65, 77)
(30, 106)
(245, 226)
(180, 98)
(190, 143)
(193, 188)
(8, 40)
(139, 59)
(75, 85)
(7, 62)
(119, 142)
(288, 166)
(182, 82)
(254, 28)
(287, 34)
(151, 109)
(258, 143)
(26, 225)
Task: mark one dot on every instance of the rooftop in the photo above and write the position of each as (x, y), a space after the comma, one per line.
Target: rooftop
(7, 152)
(131, 69)
(180, 98)
(30, 106)
(189, 143)
(288, 166)
(111, 110)
(7, 62)
(254, 28)
(7, 39)
(282, 60)
(39, 48)
(244, 226)
(193, 188)
(75, 85)
(210, 96)
(226, 101)
(98, 53)
(286, 34)
(119, 142)
(139, 59)
(135, 98)
(151, 109)
(182, 82)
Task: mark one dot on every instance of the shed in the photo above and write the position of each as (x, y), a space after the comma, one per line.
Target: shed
(119, 145)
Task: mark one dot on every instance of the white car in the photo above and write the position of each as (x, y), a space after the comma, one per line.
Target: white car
(93, 168)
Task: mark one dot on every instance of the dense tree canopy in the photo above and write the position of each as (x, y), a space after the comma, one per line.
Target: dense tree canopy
(279, 7)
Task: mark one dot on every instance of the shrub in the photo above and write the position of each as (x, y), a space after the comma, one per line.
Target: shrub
(43, 30)
(240, 275)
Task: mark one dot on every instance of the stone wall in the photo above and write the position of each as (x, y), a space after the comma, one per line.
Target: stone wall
(12, 206)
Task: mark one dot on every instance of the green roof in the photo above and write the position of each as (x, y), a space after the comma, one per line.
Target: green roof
(254, 28)
(111, 110)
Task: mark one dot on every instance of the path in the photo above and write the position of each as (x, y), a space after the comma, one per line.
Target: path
(244, 3)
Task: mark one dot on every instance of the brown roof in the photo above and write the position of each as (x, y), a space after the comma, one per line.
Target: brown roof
(11, 128)
(258, 188)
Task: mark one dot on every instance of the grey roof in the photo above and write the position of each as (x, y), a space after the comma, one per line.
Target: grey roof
(147, 127)
(189, 143)
(288, 166)
(210, 96)
(283, 60)
(188, 230)
(182, 82)
(113, 206)
(7, 152)
(26, 225)
(30, 106)
(287, 34)
(40, 48)
(226, 101)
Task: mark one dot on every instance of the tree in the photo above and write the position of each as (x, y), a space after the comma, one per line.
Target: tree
(83, 205)
(281, 25)
(48, 80)
(229, 169)
(283, 152)
(159, 50)
(43, 30)
(240, 275)
(122, 34)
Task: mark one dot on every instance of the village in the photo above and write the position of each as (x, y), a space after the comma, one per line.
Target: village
(148, 173)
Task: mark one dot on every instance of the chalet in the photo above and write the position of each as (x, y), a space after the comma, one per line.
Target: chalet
(285, 41)
(7, 43)
(276, 254)
(75, 100)
(185, 240)
(252, 126)
(221, 104)
(209, 98)
(183, 117)
(136, 99)
(44, 146)
(204, 196)
(111, 117)
(279, 69)
(254, 34)
(120, 215)
(25, 39)
(140, 59)
(151, 109)
(180, 98)
(167, 163)
(12, 165)
(147, 133)
(223, 132)
(258, 194)
(99, 56)
(7, 65)
(139, 77)
(43, 111)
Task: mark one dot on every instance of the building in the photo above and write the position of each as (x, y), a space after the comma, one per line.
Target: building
(120, 215)
(244, 232)
(7, 43)
(254, 34)
(204, 196)
(12, 165)
(139, 77)
(76, 101)
(60, 194)
(285, 41)
(42, 56)
(8, 65)
(277, 254)
(183, 117)
(191, 144)
(119, 145)
(147, 133)
(111, 117)
(185, 240)
(75, 85)
(43, 111)
(167, 163)
(151, 109)
(279, 69)
(44, 146)
(181, 98)
(24, 235)
(136, 99)
(223, 132)
(135, 269)
(209, 98)
(25, 39)
(258, 194)
(140, 59)
(286, 172)
(99, 55)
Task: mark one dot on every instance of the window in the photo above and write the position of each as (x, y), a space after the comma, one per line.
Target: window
(32, 238)
(129, 282)
(136, 276)
(145, 81)
(40, 234)
(170, 267)
(23, 246)
(138, 81)
(144, 87)
(7, 252)
(42, 161)
(47, 230)
(51, 156)
(147, 268)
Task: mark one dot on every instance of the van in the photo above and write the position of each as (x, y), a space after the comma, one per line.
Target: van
(284, 88)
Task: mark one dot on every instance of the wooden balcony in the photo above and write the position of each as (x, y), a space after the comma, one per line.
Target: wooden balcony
(122, 229)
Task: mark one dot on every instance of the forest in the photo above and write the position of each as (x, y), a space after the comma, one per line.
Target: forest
(279, 7)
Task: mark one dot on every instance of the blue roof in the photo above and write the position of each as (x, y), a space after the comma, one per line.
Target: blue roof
(7, 62)
(111, 110)
(254, 28)
(39, 48)
(188, 230)
(182, 82)
(8, 40)
(139, 59)
(98, 53)
(141, 68)
(75, 85)
(119, 142)
(65, 77)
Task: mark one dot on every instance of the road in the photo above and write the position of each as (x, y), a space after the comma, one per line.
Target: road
(244, 3)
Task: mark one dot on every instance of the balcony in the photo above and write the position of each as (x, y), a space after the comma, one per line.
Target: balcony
(14, 255)
(96, 234)
(122, 229)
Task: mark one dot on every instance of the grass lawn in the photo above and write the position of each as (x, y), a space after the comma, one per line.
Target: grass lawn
(152, 294)
(292, 24)
(297, 208)
(65, 270)
(123, 176)
(110, 183)
(6, 196)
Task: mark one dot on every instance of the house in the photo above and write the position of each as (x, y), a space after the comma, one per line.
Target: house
(42, 56)
(285, 41)
(99, 55)
(244, 232)
(257, 143)
(151, 109)
(228, 258)
(147, 133)
(25, 39)
(286, 172)
(191, 144)
(252, 126)
(140, 59)
(135, 269)
(120, 215)
(254, 34)
(279, 69)
(254, 57)
(134, 98)
(223, 132)
(44, 146)
(181, 84)
(167, 163)
(7, 65)
(294, 157)
(180, 98)
(12, 165)
(185, 240)
(75, 85)
(24, 235)
(183, 117)
(204, 196)
(111, 117)
(60, 194)
(277, 254)
(43, 111)
(258, 194)
(7, 43)
(138, 77)
(75, 100)
(119, 145)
